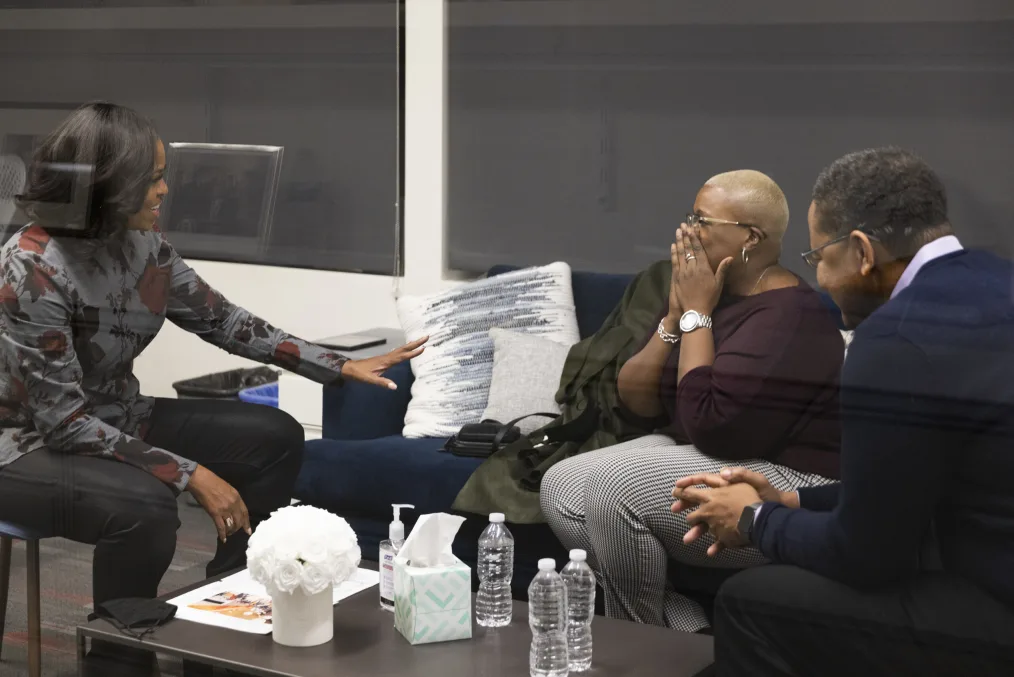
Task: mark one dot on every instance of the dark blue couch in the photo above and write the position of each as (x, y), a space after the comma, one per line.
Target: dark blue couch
(363, 464)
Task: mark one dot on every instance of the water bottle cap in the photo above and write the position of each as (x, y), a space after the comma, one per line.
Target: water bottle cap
(578, 555)
(548, 564)
(496, 517)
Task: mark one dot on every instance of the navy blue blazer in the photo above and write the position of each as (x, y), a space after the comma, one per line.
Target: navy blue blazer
(927, 406)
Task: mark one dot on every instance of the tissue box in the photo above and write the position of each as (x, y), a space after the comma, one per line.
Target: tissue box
(433, 604)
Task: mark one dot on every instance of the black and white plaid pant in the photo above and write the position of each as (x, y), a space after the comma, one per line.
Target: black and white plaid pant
(615, 503)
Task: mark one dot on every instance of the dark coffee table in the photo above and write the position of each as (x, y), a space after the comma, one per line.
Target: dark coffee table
(366, 644)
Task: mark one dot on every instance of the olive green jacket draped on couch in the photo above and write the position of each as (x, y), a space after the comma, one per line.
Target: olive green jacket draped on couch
(508, 481)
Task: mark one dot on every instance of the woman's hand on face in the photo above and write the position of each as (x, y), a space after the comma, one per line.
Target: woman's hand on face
(371, 370)
(675, 309)
(697, 287)
(221, 501)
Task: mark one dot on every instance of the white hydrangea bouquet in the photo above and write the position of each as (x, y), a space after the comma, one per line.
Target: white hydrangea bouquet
(299, 554)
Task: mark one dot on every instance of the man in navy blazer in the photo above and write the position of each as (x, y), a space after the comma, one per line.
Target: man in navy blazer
(906, 567)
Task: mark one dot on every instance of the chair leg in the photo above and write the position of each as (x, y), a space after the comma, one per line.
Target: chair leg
(34, 611)
(6, 543)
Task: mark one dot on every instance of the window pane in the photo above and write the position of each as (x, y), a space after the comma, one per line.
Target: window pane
(582, 131)
(319, 79)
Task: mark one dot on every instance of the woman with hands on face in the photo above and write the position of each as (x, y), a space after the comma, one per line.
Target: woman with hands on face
(740, 365)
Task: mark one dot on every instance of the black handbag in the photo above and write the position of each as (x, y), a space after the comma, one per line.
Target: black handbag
(480, 440)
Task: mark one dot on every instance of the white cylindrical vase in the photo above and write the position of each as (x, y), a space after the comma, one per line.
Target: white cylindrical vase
(298, 619)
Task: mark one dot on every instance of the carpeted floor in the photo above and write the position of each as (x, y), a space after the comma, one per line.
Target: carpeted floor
(66, 594)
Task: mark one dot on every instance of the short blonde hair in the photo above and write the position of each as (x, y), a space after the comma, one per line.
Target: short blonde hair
(761, 199)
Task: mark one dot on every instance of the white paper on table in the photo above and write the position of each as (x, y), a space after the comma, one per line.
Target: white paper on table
(238, 602)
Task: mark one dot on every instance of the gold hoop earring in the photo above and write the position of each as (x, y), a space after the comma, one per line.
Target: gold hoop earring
(746, 257)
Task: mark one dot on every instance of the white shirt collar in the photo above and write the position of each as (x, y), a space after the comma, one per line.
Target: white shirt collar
(931, 251)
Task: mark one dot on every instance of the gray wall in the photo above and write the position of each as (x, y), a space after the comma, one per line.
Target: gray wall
(588, 144)
(578, 143)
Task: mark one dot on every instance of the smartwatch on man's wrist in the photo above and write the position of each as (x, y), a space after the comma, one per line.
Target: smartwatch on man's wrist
(747, 519)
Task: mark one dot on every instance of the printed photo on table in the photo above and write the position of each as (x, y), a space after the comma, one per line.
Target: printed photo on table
(240, 605)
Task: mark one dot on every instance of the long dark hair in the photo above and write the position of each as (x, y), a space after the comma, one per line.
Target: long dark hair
(92, 172)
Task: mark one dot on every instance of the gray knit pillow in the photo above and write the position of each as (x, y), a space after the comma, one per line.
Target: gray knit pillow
(526, 376)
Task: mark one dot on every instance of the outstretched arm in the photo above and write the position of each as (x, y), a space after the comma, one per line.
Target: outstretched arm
(194, 306)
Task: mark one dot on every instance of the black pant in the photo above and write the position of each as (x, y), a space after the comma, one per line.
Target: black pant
(130, 516)
(782, 620)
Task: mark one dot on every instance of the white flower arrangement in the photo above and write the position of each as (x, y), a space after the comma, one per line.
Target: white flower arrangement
(302, 547)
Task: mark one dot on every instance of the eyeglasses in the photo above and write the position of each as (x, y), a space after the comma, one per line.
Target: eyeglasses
(694, 220)
(812, 257)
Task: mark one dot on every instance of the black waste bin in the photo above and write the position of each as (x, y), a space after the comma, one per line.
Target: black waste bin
(224, 385)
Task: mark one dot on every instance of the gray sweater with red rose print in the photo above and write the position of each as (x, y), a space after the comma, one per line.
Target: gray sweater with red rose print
(74, 313)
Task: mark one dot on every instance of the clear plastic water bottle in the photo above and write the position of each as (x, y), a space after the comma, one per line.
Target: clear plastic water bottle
(580, 581)
(547, 616)
(493, 604)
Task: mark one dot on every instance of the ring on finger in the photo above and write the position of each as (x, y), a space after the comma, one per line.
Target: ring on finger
(690, 257)
(229, 522)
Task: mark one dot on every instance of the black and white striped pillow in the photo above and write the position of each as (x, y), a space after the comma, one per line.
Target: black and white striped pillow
(453, 375)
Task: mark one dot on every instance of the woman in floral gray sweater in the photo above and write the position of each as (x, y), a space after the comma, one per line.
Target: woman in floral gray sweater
(83, 290)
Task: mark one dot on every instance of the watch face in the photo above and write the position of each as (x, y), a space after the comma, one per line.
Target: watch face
(689, 320)
(745, 525)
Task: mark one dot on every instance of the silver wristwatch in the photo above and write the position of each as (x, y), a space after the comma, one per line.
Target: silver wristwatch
(692, 320)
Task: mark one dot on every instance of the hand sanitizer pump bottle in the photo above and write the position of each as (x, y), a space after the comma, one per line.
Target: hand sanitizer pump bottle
(388, 550)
